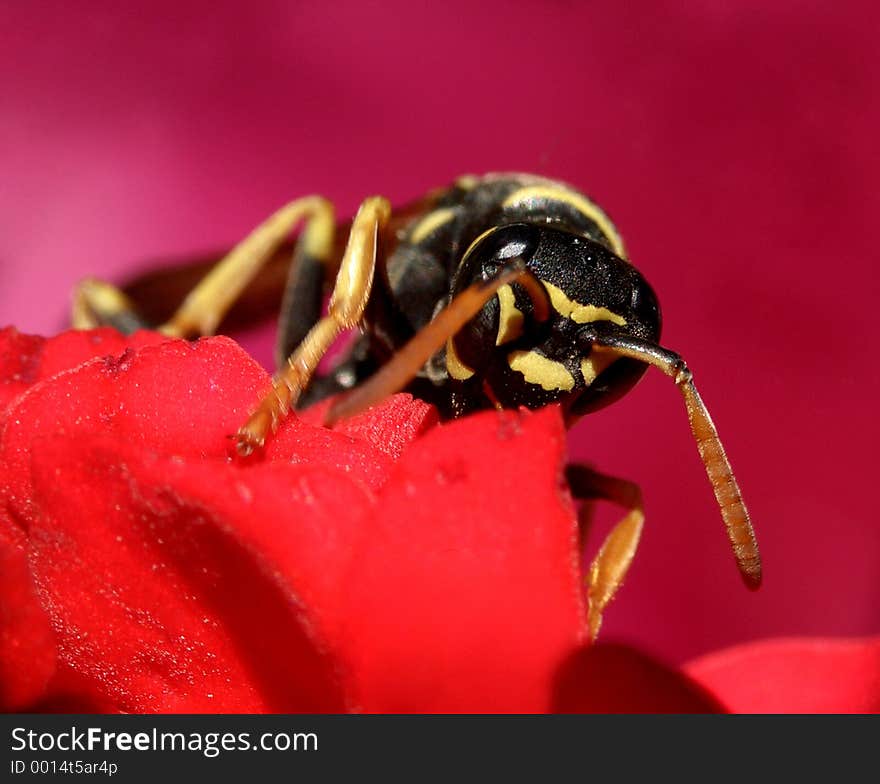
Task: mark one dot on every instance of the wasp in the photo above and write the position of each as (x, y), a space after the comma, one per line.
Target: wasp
(498, 291)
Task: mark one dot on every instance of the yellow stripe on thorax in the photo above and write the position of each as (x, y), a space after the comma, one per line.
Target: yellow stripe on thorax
(432, 221)
(581, 314)
(573, 199)
(536, 369)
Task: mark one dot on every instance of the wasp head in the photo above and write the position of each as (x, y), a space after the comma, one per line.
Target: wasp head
(527, 352)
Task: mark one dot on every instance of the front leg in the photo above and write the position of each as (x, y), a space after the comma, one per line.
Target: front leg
(610, 566)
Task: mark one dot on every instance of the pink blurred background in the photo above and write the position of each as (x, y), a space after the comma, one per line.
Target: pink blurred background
(734, 143)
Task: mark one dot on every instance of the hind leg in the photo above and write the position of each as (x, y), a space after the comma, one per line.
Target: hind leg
(97, 303)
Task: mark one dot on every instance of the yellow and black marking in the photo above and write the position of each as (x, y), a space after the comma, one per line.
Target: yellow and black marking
(549, 374)
(589, 289)
(425, 227)
(457, 369)
(510, 317)
(549, 198)
(581, 314)
(592, 366)
(500, 291)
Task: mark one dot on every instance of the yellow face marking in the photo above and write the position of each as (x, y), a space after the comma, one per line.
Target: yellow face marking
(455, 367)
(592, 366)
(536, 369)
(432, 221)
(582, 204)
(510, 317)
(581, 314)
(467, 182)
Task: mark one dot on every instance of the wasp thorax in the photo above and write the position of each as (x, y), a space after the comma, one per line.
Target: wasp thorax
(532, 353)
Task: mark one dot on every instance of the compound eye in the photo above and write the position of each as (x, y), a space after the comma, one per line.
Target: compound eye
(498, 247)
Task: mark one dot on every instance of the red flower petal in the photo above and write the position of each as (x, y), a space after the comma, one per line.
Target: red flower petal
(69, 692)
(179, 399)
(28, 359)
(176, 397)
(156, 601)
(302, 444)
(19, 363)
(390, 426)
(608, 678)
(178, 579)
(795, 676)
(469, 593)
(304, 521)
(74, 347)
(27, 644)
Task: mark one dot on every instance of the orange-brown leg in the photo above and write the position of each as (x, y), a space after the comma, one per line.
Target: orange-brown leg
(727, 494)
(406, 363)
(610, 566)
(350, 295)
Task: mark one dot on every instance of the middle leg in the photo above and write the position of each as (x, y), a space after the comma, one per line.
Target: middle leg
(610, 566)
(350, 294)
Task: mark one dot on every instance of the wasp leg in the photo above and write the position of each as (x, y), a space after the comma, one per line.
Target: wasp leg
(586, 516)
(97, 304)
(350, 294)
(608, 569)
(727, 493)
(313, 265)
(208, 302)
(159, 290)
(406, 363)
